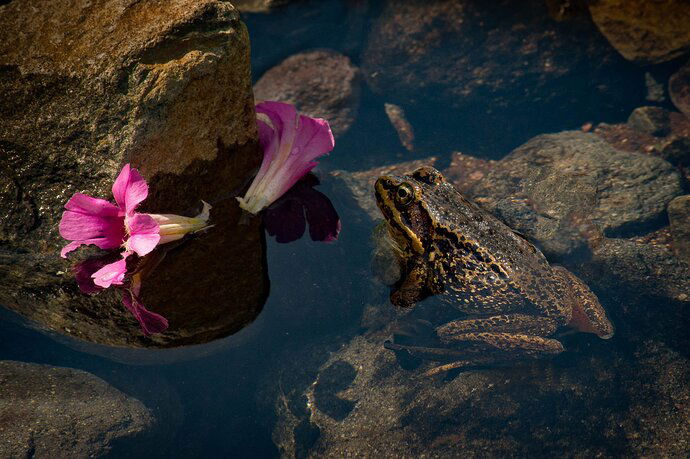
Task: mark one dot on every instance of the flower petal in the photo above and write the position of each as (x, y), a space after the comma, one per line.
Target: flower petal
(129, 189)
(143, 233)
(314, 138)
(112, 273)
(85, 204)
(149, 321)
(85, 269)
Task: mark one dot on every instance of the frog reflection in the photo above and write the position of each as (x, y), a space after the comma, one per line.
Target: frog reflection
(510, 298)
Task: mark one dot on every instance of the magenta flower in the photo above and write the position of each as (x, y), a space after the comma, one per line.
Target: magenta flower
(291, 142)
(89, 220)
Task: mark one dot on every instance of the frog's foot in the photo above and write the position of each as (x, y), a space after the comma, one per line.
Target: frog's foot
(512, 323)
(413, 288)
(588, 315)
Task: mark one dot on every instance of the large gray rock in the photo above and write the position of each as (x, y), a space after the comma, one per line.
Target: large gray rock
(48, 411)
(163, 85)
(320, 83)
(596, 401)
(562, 190)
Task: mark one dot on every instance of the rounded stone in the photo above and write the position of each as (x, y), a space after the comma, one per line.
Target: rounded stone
(320, 83)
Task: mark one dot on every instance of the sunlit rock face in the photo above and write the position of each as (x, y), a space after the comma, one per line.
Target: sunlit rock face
(642, 31)
(164, 86)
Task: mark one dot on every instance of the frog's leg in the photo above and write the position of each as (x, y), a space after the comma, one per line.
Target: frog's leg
(514, 323)
(588, 315)
(414, 287)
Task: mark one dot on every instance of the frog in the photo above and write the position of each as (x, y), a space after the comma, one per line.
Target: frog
(510, 301)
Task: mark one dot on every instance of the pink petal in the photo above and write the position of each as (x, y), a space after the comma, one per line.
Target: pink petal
(150, 322)
(85, 204)
(143, 230)
(129, 189)
(283, 117)
(111, 274)
(314, 138)
(76, 227)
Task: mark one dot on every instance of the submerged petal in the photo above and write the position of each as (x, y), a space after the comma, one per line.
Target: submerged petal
(149, 321)
(285, 221)
(112, 273)
(129, 189)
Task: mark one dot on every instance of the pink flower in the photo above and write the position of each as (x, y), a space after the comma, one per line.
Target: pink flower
(96, 221)
(89, 220)
(291, 142)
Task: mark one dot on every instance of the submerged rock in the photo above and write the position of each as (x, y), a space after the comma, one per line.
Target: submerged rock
(679, 89)
(48, 411)
(562, 190)
(431, 58)
(321, 83)
(362, 403)
(642, 31)
(679, 216)
(163, 86)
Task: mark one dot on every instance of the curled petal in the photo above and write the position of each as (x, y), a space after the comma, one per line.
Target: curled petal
(129, 189)
(112, 273)
(143, 233)
(290, 142)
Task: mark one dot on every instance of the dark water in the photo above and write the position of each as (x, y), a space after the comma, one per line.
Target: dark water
(223, 404)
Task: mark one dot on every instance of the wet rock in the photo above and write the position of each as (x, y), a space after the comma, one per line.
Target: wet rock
(646, 285)
(679, 216)
(562, 190)
(679, 89)
(321, 83)
(650, 120)
(361, 184)
(644, 32)
(47, 411)
(258, 6)
(430, 57)
(499, 412)
(164, 86)
(466, 171)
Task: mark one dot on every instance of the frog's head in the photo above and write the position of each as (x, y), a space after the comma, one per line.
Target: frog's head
(404, 203)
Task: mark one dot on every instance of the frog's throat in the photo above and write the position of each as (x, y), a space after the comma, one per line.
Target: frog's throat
(400, 232)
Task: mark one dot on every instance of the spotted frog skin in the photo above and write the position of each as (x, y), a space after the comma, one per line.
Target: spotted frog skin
(511, 299)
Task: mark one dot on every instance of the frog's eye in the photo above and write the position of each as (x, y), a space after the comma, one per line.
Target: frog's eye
(404, 194)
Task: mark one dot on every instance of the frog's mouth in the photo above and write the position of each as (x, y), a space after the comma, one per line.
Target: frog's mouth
(385, 189)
